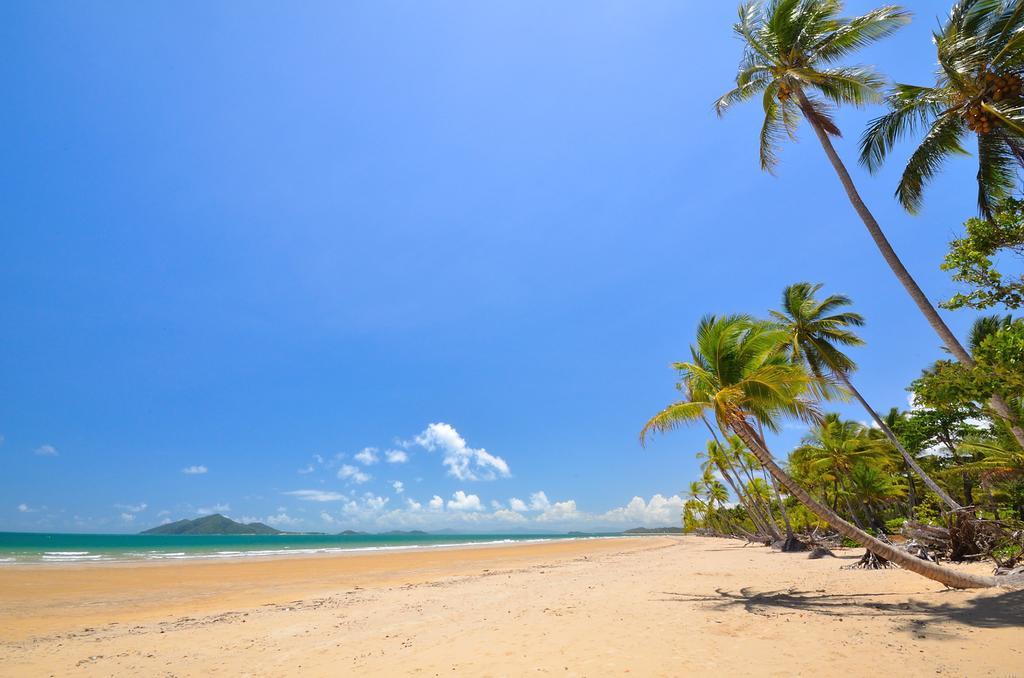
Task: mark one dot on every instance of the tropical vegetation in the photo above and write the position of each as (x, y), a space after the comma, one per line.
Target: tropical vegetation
(952, 463)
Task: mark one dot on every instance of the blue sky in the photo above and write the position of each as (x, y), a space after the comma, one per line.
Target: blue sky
(252, 240)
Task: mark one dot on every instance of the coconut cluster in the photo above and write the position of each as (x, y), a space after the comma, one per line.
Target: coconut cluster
(995, 88)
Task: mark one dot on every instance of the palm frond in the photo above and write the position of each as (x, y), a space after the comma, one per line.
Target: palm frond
(942, 140)
(860, 32)
(911, 107)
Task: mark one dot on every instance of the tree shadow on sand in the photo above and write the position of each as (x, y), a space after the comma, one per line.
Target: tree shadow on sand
(1004, 609)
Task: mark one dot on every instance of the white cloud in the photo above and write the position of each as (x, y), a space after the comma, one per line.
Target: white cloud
(281, 520)
(308, 468)
(131, 508)
(539, 501)
(327, 517)
(24, 508)
(46, 451)
(517, 504)
(398, 486)
(396, 457)
(560, 511)
(436, 503)
(349, 472)
(127, 517)
(163, 513)
(461, 501)
(316, 495)
(216, 508)
(413, 504)
(463, 462)
(375, 503)
(196, 470)
(506, 516)
(367, 456)
(660, 511)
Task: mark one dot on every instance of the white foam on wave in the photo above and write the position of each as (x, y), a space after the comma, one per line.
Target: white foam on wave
(151, 555)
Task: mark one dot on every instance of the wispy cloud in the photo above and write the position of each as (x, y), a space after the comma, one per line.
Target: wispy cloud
(316, 495)
(131, 508)
(46, 451)
(194, 470)
(349, 472)
(463, 461)
(216, 508)
(398, 486)
(367, 456)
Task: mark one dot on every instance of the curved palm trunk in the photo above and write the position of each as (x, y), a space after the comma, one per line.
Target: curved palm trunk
(909, 460)
(900, 271)
(782, 509)
(761, 520)
(951, 578)
(766, 528)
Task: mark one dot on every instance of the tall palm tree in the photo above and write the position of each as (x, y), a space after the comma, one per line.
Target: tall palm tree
(814, 332)
(836, 448)
(790, 48)
(739, 374)
(977, 92)
(720, 457)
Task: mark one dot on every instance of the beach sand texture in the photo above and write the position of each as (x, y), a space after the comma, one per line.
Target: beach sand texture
(652, 606)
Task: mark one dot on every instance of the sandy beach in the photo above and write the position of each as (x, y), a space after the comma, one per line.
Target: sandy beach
(659, 606)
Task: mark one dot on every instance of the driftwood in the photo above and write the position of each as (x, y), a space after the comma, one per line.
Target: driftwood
(967, 537)
(920, 550)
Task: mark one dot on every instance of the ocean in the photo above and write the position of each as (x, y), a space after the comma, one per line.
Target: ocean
(38, 547)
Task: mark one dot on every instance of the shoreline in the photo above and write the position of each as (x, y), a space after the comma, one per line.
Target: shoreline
(173, 558)
(662, 605)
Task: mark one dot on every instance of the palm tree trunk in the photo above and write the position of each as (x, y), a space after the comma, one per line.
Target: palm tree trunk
(765, 527)
(911, 492)
(764, 524)
(951, 578)
(910, 461)
(901, 272)
(782, 508)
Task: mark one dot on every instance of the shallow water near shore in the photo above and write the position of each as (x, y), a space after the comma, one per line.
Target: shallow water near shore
(30, 548)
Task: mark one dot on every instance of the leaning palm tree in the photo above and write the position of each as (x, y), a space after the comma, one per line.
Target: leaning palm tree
(977, 92)
(814, 332)
(790, 51)
(739, 375)
(720, 457)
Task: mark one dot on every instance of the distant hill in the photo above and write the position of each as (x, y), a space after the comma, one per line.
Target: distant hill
(654, 530)
(215, 524)
(410, 533)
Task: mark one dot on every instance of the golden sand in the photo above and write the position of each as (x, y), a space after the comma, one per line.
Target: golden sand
(659, 606)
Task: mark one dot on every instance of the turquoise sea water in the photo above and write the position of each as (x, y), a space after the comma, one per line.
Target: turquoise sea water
(24, 547)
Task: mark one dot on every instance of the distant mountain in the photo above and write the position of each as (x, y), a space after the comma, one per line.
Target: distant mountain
(215, 524)
(350, 533)
(408, 533)
(654, 530)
